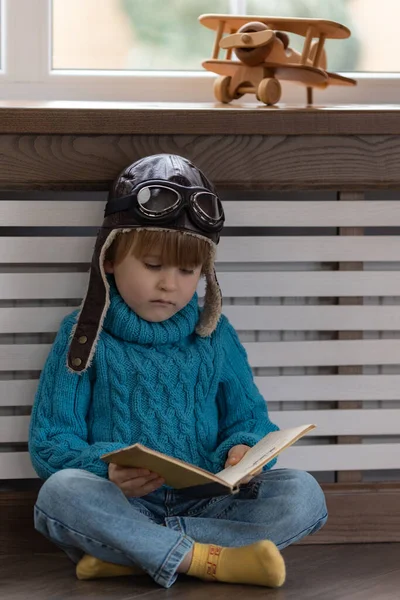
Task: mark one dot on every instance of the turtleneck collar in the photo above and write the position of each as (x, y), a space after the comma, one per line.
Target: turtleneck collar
(122, 322)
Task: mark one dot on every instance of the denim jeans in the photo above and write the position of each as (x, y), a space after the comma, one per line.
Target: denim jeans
(86, 514)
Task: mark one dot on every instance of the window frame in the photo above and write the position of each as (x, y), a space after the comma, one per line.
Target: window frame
(26, 72)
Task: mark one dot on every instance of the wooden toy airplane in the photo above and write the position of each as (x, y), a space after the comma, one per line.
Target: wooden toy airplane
(265, 57)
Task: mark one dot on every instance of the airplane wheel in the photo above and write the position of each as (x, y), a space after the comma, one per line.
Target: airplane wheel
(221, 89)
(269, 91)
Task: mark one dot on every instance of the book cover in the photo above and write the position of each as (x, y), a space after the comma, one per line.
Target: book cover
(179, 474)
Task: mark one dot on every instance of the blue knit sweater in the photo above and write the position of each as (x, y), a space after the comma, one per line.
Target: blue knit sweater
(159, 384)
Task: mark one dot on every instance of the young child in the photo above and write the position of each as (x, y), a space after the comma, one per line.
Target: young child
(141, 362)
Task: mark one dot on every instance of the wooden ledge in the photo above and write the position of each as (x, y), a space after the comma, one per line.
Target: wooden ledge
(360, 513)
(59, 117)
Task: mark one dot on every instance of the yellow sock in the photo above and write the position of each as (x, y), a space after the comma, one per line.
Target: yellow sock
(90, 567)
(260, 563)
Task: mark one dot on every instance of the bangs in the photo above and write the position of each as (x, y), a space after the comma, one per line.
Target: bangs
(175, 248)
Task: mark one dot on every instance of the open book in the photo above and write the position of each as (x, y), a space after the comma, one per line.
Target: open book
(179, 474)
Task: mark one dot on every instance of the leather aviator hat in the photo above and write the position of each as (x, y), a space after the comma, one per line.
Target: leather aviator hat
(159, 192)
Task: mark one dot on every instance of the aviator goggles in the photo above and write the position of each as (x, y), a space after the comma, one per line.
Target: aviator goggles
(160, 201)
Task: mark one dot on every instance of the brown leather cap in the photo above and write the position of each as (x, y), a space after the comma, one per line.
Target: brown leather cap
(96, 302)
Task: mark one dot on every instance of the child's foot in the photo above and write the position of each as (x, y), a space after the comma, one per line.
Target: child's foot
(260, 563)
(90, 567)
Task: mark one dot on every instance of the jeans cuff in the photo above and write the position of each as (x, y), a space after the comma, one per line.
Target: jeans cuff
(166, 574)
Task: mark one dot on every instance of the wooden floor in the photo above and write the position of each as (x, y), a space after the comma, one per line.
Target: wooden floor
(342, 572)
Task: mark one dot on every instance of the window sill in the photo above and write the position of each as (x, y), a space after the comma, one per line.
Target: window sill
(164, 118)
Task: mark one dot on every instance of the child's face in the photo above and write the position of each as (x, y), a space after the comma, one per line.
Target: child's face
(154, 291)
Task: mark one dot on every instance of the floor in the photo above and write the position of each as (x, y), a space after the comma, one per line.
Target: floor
(347, 572)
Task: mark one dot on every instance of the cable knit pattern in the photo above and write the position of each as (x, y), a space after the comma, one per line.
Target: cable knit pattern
(159, 384)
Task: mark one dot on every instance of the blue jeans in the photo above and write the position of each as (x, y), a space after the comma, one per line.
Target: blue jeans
(86, 514)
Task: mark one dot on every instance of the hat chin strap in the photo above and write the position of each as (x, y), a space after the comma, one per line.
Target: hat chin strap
(85, 333)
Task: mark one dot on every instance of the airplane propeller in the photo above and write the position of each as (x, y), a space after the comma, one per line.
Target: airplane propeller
(247, 39)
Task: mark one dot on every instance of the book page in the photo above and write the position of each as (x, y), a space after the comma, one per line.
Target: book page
(264, 451)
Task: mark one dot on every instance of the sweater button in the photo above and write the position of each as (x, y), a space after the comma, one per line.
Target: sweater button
(82, 339)
(76, 362)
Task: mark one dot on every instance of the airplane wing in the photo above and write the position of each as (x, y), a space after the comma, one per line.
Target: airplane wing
(222, 67)
(305, 74)
(330, 29)
(310, 76)
(336, 79)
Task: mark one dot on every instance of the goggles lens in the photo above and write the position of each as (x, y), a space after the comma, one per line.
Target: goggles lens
(156, 200)
(209, 205)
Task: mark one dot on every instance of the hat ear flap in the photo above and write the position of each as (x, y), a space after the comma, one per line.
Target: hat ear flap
(212, 307)
(212, 301)
(85, 333)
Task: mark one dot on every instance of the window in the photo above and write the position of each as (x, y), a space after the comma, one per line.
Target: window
(155, 34)
(127, 34)
(152, 50)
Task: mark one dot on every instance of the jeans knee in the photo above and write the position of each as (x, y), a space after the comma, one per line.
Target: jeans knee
(307, 499)
(57, 490)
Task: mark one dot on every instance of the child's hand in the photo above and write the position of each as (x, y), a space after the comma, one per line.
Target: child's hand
(134, 482)
(235, 455)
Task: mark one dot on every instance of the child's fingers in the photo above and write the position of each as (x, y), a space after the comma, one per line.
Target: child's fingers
(147, 486)
(140, 486)
(142, 481)
(238, 452)
(230, 462)
(130, 472)
(153, 485)
(126, 472)
(234, 459)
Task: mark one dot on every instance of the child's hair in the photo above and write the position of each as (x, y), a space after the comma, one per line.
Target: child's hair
(175, 248)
